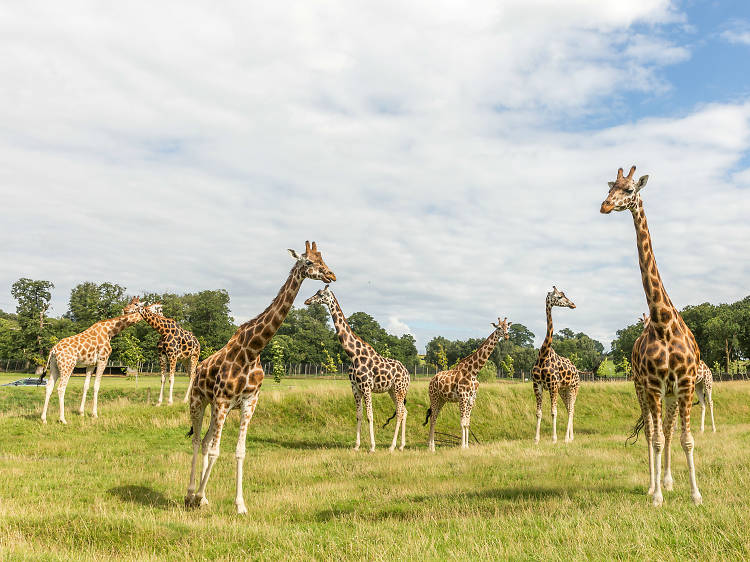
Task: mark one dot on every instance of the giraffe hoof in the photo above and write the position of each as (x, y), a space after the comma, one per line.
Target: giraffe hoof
(356, 448)
(401, 448)
(94, 415)
(371, 451)
(203, 502)
(80, 413)
(697, 498)
(157, 404)
(190, 501)
(668, 484)
(391, 449)
(658, 499)
(650, 491)
(169, 403)
(241, 509)
(63, 422)
(44, 421)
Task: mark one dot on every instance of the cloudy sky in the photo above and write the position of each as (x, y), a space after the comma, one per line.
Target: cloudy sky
(449, 161)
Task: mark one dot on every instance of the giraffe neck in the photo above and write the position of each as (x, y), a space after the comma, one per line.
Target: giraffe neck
(157, 322)
(256, 333)
(656, 295)
(474, 362)
(344, 331)
(114, 326)
(547, 343)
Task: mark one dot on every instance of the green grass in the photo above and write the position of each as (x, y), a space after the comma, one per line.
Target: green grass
(113, 487)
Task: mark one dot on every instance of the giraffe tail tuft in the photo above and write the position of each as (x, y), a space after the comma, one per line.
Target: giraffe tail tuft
(394, 415)
(636, 431)
(427, 417)
(189, 433)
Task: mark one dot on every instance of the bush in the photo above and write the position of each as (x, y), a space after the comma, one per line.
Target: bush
(488, 372)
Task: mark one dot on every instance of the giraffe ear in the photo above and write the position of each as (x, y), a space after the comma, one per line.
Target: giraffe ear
(294, 254)
(494, 325)
(641, 183)
(611, 184)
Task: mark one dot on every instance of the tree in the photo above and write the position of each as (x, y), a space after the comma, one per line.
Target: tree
(488, 372)
(722, 332)
(277, 354)
(129, 351)
(520, 335)
(33, 297)
(507, 366)
(622, 345)
(209, 317)
(442, 358)
(328, 363)
(90, 303)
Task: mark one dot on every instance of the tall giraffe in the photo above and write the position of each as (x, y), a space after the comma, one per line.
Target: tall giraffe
(175, 344)
(556, 374)
(90, 348)
(369, 372)
(232, 376)
(460, 384)
(666, 359)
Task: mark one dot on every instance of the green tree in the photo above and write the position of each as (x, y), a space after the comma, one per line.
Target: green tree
(277, 354)
(722, 332)
(488, 372)
(33, 298)
(129, 350)
(328, 363)
(442, 358)
(507, 366)
(91, 302)
(209, 316)
(622, 345)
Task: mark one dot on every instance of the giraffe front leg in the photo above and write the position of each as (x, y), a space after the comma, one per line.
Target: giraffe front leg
(398, 402)
(64, 377)
(670, 420)
(358, 400)
(86, 383)
(465, 411)
(54, 374)
(246, 414)
(368, 406)
(172, 367)
(654, 402)
(404, 412)
(163, 368)
(538, 394)
(100, 366)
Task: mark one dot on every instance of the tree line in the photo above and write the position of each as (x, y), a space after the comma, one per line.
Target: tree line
(307, 335)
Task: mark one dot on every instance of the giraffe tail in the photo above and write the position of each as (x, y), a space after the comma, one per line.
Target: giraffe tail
(427, 417)
(636, 431)
(189, 433)
(393, 416)
(46, 367)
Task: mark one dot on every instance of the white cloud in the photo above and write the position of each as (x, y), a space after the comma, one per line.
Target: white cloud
(397, 327)
(738, 32)
(169, 147)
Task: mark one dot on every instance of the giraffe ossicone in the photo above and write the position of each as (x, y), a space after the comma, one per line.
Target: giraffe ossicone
(232, 377)
(556, 374)
(666, 357)
(460, 384)
(369, 372)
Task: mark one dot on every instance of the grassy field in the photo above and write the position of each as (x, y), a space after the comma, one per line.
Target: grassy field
(113, 487)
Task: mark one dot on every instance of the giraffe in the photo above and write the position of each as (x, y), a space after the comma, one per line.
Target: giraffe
(556, 374)
(666, 359)
(369, 372)
(232, 377)
(704, 384)
(90, 348)
(460, 384)
(175, 344)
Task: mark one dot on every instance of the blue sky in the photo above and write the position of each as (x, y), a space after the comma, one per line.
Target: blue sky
(449, 160)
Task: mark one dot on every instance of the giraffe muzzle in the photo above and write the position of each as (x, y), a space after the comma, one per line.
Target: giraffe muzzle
(606, 208)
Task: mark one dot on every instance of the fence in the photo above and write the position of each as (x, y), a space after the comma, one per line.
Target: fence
(313, 370)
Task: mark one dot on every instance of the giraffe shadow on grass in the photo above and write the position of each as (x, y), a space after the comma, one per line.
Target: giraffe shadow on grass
(300, 444)
(142, 495)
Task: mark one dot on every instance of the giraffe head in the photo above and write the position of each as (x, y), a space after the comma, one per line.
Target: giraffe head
(323, 296)
(132, 306)
(154, 308)
(503, 326)
(623, 192)
(558, 298)
(312, 265)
